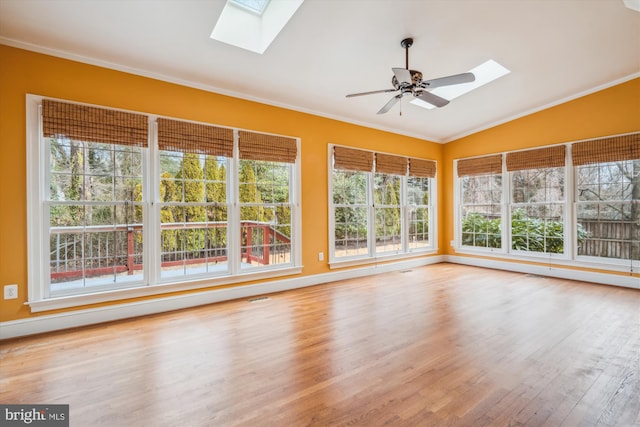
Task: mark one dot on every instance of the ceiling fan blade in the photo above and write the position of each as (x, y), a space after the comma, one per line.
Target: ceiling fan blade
(402, 75)
(449, 80)
(390, 104)
(351, 95)
(432, 99)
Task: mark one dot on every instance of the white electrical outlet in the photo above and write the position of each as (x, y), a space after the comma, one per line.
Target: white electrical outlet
(320, 256)
(10, 291)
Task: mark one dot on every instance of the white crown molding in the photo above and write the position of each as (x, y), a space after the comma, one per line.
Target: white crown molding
(542, 107)
(200, 86)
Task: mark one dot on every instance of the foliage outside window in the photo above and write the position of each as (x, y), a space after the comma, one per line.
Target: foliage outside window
(95, 214)
(386, 196)
(351, 218)
(193, 214)
(419, 211)
(537, 210)
(481, 211)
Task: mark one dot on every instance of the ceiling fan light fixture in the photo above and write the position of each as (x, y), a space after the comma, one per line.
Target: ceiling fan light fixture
(485, 73)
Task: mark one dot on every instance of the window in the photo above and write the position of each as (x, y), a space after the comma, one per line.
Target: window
(589, 213)
(380, 204)
(113, 206)
(537, 200)
(93, 204)
(266, 168)
(351, 200)
(480, 183)
(419, 210)
(193, 164)
(386, 197)
(387, 202)
(608, 197)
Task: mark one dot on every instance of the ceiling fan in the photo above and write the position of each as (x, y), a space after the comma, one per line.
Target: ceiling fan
(408, 81)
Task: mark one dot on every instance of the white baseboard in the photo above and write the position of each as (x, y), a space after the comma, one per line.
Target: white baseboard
(70, 319)
(627, 281)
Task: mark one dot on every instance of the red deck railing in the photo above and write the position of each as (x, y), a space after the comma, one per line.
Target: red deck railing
(108, 255)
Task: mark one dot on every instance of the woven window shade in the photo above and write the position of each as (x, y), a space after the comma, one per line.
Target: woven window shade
(480, 165)
(176, 135)
(93, 124)
(422, 168)
(258, 146)
(613, 149)
(395, 165)
(352, 159)
(549, 157)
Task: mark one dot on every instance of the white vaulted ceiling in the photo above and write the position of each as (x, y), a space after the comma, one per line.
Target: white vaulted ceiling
(556, 51)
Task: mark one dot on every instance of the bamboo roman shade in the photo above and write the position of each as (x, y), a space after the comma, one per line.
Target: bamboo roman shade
(93, 124)
(259, 146)
(480, 165)
(422, 168)
(549, 157)
(176, 135)
(612, 149)
(387, 163)
(352, 159)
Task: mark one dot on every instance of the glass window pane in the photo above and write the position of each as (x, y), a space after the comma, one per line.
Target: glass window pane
(608, 210)
(265, 213)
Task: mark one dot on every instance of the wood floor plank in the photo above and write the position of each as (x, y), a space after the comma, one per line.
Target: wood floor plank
(443, 345)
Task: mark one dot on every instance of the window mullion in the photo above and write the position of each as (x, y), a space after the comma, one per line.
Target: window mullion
(371, 216)
(432, 218)
(506, 209)
(234, 243)
(570, 218)
(152, 251)
(43, 289)
(404, 216)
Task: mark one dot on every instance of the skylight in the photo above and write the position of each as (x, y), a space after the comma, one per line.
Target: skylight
(256, 6)
(485, 73)
(253, 24)
(633, 4)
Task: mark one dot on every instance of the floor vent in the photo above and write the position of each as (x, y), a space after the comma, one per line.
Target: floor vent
(535, 276)
(406, 271)
(256, 299)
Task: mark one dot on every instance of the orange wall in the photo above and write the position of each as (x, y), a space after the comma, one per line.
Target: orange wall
(23, 72)
(611, 111)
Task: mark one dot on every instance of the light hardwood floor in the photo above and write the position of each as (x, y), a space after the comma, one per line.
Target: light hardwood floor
(443, 345)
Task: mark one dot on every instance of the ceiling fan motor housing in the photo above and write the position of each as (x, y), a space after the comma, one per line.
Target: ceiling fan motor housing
(416, 79)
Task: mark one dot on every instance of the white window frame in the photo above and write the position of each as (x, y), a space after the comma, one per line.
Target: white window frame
(633, 265)
(458, 206)
(406, 207)
(566, 229)
(569, 257)
(38, 224)
(370, 242)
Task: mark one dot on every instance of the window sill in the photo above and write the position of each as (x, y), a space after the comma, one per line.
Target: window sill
(617, 266)
(379, 259)
(56, 303)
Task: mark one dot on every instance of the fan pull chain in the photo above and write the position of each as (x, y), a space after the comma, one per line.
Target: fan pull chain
(400, 106)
